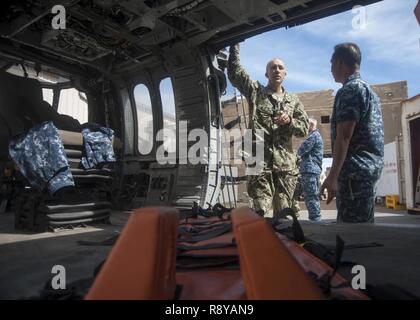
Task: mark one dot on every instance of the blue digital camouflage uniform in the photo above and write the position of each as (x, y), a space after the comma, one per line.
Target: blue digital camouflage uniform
(361, 170)
(39, 154)
(311, 152)
(98, 147)
(274, 187)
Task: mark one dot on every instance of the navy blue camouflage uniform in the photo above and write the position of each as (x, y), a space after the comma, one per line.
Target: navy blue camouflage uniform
(363, 164)
(311, 152)
(98, 146)
(39, 154)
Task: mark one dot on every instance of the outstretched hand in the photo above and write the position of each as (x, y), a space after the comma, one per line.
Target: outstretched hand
(330, 183)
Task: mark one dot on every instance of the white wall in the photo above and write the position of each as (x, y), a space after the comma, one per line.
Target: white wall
(388, 182)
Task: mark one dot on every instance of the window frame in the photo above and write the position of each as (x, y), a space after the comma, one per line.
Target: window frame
(152, 152)
(163, 113)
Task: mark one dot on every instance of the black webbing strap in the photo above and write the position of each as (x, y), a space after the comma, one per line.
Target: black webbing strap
(324, 281)
(339, 249)
(219, 210)
(201, 236)
(198, 227)
(216, 211)
(184, 248)
(178, 291)
(207, 261)
(107, 242)
(298, 234)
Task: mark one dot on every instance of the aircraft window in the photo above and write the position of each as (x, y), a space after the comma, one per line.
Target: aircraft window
(48, 95)
(144, 118)
(73, 103)
(169, 114)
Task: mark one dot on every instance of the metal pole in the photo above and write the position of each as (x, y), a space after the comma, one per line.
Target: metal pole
(227, 184)
(233, 185)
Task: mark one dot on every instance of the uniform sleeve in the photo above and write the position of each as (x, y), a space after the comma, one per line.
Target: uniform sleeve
(300, 122)
(307, 145)
(238, 76)
(349, 104)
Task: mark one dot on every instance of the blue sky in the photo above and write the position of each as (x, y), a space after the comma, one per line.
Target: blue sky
(388, 35)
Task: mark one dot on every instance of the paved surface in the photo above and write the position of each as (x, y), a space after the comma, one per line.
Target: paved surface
(26, 258)
(396, 262)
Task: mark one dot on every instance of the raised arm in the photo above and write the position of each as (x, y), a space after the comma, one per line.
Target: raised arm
(238, 76)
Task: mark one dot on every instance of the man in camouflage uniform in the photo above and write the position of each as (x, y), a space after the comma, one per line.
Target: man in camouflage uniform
(280, 115)
(311, 152)
(357, 139)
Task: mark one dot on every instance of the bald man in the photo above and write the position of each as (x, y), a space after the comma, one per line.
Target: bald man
(280, 115)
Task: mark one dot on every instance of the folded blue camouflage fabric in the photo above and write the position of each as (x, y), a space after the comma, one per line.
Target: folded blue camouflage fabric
(98, 147)
(39, 154)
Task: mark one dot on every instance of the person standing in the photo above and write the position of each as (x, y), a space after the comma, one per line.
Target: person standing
(357, 138)
(311, 152)
(280, 115)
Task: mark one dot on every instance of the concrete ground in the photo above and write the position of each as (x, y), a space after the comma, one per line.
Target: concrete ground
(26, 259)
(396, 261)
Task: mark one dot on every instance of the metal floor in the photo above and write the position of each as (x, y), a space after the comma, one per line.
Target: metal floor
(26, 259)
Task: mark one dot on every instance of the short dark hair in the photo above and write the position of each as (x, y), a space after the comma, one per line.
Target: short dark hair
(349, 53)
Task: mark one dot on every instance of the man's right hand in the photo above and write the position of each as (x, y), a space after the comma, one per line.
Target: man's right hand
(330, 184)
(282, 119)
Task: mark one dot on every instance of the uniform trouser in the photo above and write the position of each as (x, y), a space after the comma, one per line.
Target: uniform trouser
(310, 185)
(356, 200)
(272, 189)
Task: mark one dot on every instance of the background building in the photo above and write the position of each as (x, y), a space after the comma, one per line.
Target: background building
(319, 104)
